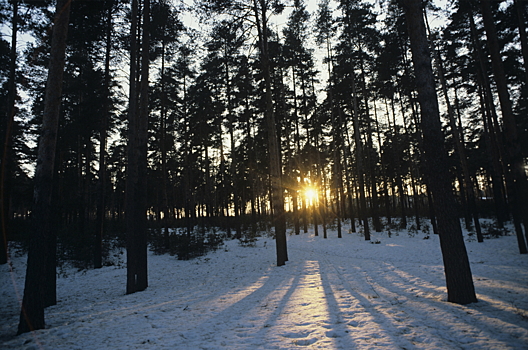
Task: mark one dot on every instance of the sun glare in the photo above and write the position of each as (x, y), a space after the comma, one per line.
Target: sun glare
(310, 194)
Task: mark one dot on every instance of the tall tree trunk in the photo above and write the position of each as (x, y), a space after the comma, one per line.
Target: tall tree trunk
(293, 185)
(234, 183)
(321, 189)
(167, 215)
(6, 171)
(513, 147)
(251, 175)
(457, 270)
(277, 195)
(142, 281)
(317, 186)
(324, 206)
(236, 223)
(320, 171)
(295, 159)
(101, 186)
(336, 183)
(386, 176)
(347, 155)
(36, 284)
(137, 163)
(132, 158)
(359, 162)
(371, 166)
(398, 181)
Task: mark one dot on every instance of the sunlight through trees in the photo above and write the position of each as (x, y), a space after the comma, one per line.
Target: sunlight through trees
(175, 126)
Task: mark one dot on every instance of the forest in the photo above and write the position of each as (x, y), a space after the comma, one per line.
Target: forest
(172, 126)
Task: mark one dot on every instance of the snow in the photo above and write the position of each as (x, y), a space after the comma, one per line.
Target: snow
(332, 294)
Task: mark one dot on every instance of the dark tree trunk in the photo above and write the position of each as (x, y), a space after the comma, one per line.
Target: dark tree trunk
(513, 147)
(233, 169)
(6, 173)
(403, 208)
(457, 270)
(359, 163)
(101, 186)
(295, 203)
(320, 210)
(305, 213)
(167, 213)
(293, 189)
(337, 145)
(142, 280)
(348, 180)
(296, 162)
(132, 159)
(41, 241)
(251, 177)
(277, 195)
(371, 163)
(324, 207)
(234, 182)
(336, 183)
(383, 176)
(135, 209)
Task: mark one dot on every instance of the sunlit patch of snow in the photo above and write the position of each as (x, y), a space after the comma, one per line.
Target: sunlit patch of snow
(332, 294)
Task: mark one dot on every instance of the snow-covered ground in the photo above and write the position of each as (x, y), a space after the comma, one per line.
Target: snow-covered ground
(333, 294)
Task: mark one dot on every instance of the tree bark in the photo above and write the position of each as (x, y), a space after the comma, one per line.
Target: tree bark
(273, 145)
(233, 165)
(7, 158)
(167, 213)
(359, 162)
(101, 186)
(370, 158)
(142, 282)
(41, 240)
(131, 172)
(460, 288)
(135, 207)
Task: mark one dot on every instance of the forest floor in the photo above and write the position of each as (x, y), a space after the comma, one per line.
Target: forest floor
(332, 294)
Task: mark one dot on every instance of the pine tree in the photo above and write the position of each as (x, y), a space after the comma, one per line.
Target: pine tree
(299, 58)
(165, 32)
(457, 270)
(260, 11)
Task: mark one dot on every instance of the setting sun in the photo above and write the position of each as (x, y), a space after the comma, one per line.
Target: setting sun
(310, 194)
